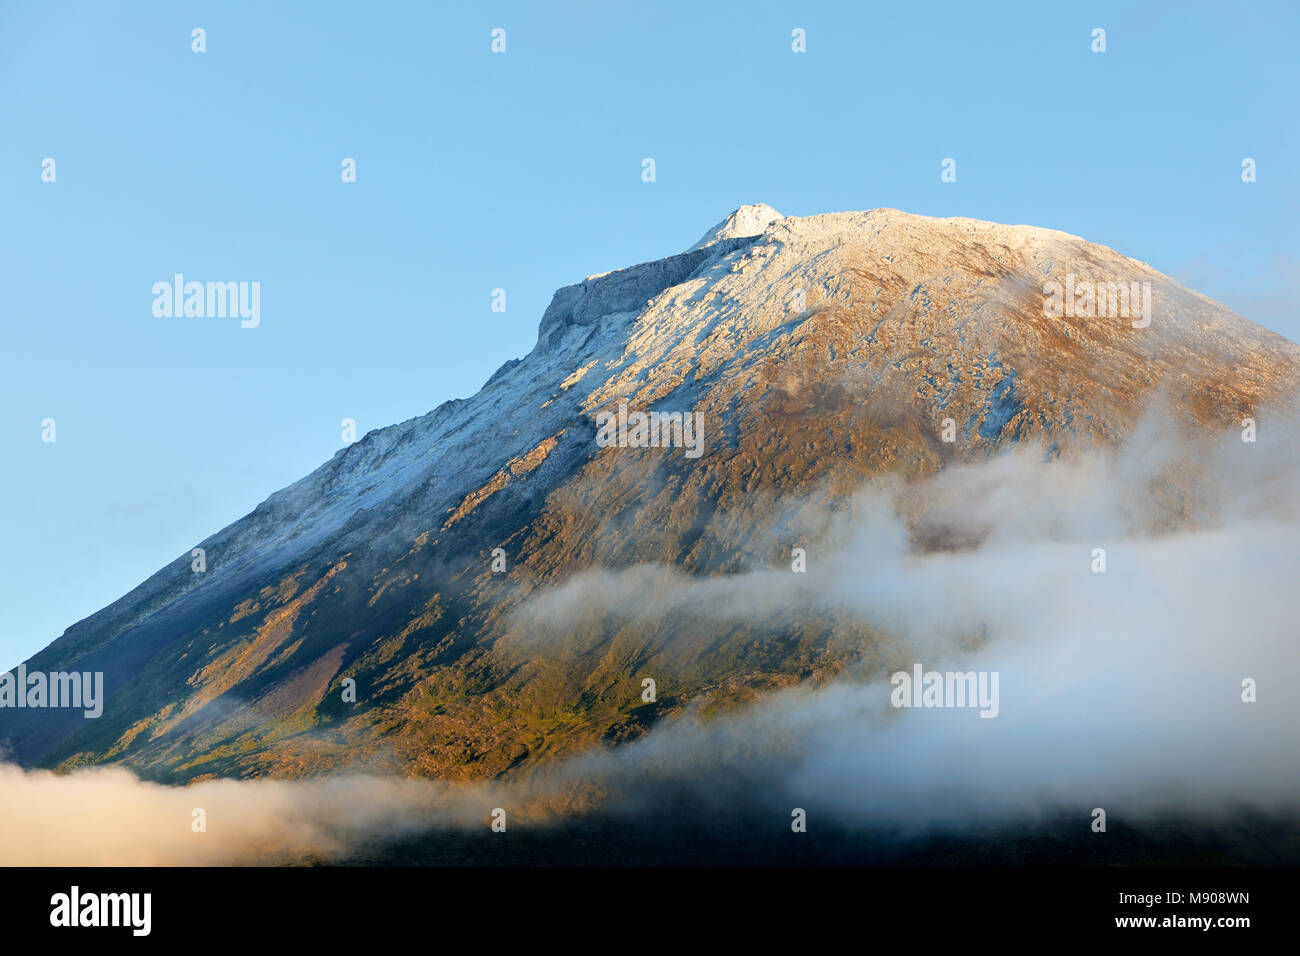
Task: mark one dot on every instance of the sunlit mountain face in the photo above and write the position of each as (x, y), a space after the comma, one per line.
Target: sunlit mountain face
(653, 586)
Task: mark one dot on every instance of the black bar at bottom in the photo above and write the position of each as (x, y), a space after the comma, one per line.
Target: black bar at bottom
(640, 906)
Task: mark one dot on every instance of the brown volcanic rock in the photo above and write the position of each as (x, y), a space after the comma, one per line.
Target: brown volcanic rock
(825, 353)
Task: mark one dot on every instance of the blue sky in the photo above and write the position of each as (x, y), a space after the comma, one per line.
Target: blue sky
(522, 171)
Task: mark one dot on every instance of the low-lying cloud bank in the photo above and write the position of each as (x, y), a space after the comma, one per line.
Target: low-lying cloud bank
(106, 816)
(1121, 690)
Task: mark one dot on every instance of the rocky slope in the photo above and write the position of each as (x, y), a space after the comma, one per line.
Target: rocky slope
(823, 353)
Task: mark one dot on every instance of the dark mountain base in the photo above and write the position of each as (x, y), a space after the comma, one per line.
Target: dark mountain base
(607, 840)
